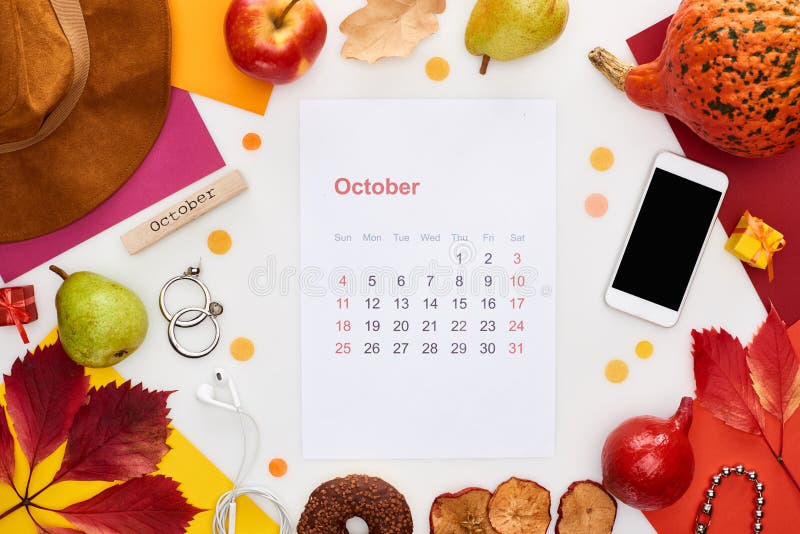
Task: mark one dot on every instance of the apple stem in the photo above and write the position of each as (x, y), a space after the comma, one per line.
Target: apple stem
(485, 64)
(279, 20)
(59, 271)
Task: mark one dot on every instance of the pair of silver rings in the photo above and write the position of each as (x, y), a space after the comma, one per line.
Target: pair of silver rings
(210, 310)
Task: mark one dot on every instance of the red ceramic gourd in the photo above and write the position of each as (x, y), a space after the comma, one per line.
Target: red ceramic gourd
(648, 462)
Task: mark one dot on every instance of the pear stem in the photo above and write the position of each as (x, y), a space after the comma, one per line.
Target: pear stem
(485, 64)
(59, 271)
(279, 20)
(611, 66)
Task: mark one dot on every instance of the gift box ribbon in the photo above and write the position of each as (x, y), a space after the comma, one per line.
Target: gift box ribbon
(17, 309)
(761, 232)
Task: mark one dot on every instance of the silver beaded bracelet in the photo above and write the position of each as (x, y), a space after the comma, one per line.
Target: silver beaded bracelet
(703, 519)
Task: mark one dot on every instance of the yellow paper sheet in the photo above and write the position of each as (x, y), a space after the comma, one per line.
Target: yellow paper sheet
(201, 482)
(200, 62)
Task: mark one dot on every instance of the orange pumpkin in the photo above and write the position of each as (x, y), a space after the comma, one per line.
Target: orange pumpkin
(728, 70)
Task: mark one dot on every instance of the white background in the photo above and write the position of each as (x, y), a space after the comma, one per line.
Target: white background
(264, 222)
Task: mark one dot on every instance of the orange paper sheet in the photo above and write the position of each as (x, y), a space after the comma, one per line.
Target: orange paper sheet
(200, 62)
(201, 482)
(716, 444)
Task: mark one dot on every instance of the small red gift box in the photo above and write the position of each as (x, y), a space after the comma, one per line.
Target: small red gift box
(18, 307)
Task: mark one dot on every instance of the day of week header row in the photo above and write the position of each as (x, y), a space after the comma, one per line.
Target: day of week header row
(396, 237)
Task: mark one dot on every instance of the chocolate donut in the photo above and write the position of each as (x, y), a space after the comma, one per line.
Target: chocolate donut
(378, 503)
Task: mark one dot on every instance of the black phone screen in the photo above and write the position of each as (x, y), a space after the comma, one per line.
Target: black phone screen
(667, 239)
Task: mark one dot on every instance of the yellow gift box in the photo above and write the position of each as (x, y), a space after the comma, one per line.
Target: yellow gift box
(755, 242)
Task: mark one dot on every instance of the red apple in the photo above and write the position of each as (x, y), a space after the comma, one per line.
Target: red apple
(274, 40)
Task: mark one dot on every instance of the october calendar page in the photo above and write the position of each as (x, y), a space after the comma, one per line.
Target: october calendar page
(428, 251)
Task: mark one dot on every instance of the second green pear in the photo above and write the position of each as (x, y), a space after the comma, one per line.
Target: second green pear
(510, 29)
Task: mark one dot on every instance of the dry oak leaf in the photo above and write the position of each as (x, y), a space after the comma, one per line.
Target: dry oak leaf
(385, 28)
(774, 368)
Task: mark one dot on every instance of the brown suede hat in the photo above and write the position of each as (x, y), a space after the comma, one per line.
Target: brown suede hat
(84, 91)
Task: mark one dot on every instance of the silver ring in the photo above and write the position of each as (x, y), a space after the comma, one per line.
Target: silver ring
(200, 317)
(173, 322)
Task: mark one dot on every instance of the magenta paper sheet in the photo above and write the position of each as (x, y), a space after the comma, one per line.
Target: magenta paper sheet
(182, 154)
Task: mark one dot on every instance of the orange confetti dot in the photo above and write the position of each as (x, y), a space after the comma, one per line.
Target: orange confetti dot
(242, 349)
(437, 69)
(278, 467)
(644, 349)
(596, 205)
(251, 141)
(616, 371)
(219, 242)
(602, 158)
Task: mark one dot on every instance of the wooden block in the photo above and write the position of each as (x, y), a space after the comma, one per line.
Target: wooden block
(187, 210)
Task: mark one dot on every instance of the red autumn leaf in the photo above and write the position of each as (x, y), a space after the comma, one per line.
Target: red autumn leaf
(43, 393)
(58, 530)
(6, 450)
(723, 381)
(120, 434)
(774, 368)
(145, 505)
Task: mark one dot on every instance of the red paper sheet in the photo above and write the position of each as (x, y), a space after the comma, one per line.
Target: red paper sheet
(716, 444)
(769, 188)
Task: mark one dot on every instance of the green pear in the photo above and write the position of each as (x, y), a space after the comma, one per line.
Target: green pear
(510, 29)
(100, 322)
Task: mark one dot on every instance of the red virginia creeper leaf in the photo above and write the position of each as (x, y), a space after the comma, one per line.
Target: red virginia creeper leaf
(120, 434)
(774, 368)
(145, 505)
(6, 450)
(43, 393)
(723, 381)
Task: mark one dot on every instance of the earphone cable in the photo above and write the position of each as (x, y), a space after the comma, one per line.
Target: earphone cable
(227, 501)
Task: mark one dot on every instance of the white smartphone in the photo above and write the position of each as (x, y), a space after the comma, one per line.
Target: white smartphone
(667, 238)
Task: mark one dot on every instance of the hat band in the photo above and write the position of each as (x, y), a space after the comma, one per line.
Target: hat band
(70, 17)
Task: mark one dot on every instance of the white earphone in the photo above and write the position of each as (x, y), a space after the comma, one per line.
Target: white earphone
(225, 513)
(205, 392)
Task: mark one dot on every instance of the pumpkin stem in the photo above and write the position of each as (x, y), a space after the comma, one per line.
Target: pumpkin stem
(612, 67)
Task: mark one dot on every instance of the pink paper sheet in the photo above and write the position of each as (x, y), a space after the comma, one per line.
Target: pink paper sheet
(182, 154)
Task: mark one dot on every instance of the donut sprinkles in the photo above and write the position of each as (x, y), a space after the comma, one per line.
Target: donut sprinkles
(378, 503)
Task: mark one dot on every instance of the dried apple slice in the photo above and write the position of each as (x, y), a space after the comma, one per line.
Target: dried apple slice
(586, 508)
(520, 507)
(464, 512)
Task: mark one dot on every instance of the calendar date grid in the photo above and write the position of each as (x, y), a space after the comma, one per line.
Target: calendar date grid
(456, 310)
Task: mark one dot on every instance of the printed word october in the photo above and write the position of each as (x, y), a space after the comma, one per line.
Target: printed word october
(344, 186)
(185, 207)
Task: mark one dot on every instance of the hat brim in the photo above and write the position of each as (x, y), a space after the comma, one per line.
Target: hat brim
(109, 133)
